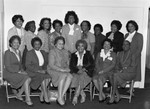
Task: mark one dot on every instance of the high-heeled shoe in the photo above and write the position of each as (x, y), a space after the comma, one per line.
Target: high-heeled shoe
(61, 105)
(75, 100)
(83, 99)
(29, 103)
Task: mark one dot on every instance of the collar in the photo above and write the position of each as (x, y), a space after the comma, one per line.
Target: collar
(71, 26)
(11, 49)
(77, 53)
(132, 33)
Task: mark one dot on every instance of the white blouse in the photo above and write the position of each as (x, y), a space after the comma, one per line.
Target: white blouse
(129, 38)
(40, 57)
(71, 32)
(80, 60)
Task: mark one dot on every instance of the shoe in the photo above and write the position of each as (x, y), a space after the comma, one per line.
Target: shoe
(83, 98)
(101, 101)
(75, 100)
(29, 103)
(47, 102)
(109, 103)
(60, 104)
(19, 98)
(42, 102)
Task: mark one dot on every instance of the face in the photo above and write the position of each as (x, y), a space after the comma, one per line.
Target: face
(15, 44)
(131, 28)
(46, 24)
(84, 26)
(97, 30)
(114, 28)
(58, 27)
(18, 23)
(107, 45)
(80, 48)
(60, 44)
(126, 46)
(37, 45)
(71, 20)
(32, 27)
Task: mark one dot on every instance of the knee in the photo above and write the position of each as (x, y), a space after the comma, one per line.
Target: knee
(70, 76)
(95, 80)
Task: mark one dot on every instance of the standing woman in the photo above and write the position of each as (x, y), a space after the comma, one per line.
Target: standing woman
(17, 20)
(82, 67)
(116, 36)
(136, 40)
(57, 26)
(87, 35)
(44, 32)
(58, 68)
(71, 31)
(13, 72)
(104, 67)
(36, 65)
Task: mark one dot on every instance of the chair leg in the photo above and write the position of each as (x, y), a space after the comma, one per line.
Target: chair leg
(7, 92)
(91, 91)
(131, 91)
(70, 93)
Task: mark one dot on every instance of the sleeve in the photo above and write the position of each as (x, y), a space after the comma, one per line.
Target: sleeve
(7, 62)
(133, 65)
(72, 65)
(29, 64)
(92, 38)
(112, 64)
(45, 55)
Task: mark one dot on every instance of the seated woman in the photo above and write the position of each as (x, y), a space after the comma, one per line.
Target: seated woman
(13, 72)
(36, 65)
(125, 71)
(82, 67)
(104, 66)
(58, 68)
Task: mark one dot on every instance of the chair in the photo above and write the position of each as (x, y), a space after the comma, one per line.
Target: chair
(88, 88)
(131, 90)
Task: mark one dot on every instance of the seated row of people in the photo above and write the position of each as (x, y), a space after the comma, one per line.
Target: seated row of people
(65, 70)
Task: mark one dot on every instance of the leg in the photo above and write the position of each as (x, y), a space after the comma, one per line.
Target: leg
(96, 84)
(83, 96)
(101, 94)
(75, 98)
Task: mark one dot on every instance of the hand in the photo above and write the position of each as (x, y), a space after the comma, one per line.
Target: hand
(101, 72)
(80, 67)
(41, 71)
(23, 72)
(84, 70)
(80, 71)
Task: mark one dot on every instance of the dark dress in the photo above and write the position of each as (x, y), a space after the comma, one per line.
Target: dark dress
(32, 67)
(84, 78)
(11, 68)
(117, 42)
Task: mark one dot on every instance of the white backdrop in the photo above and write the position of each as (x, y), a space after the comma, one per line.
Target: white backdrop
(96, 11)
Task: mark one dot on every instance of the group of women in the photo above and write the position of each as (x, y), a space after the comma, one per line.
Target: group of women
(71, 56)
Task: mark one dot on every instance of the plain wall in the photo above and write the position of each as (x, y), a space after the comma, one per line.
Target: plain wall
(96, 11)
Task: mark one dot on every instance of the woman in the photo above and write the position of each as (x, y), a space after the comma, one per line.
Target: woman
(17, 20)
(99, 38)
(58, 68)
(125, 71)
(43, 33)
(87, 35)
(116, 36)
(36, 65)
(136, 40)
(82, 66)
(104, 66)
(57, 25)
(13, 72)
(71, 31)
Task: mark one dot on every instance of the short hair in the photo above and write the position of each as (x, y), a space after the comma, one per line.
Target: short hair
(27, 26)
(42, 22)
(133, 23)
(108, 40)
(82, 42)
(99, 26)
(34, 40)
(59, 38)
(13, 38)
(16, 17)
(117, 23)
(57, 21)
(88, 23)
(71, 13)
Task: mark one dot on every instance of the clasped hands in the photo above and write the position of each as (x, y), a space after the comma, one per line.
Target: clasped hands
(81, 69)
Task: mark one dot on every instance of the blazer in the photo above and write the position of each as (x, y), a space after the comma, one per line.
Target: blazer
(88, 63)
(32, 63)
(117, 42)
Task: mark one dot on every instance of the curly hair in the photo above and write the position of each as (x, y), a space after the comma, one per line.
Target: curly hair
(27, 26)
(34, 40)
(88, 23)
(57, 21)
(42, 22)
(71, 13)
(13, 38)
(16, 17)
(117, 23)
(99, 26)
(59, 38)
(81, 41)
(133, 23)
(107, 40)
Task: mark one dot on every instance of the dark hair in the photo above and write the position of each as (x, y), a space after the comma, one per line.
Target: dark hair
(42, 22)
(108, 40)
(57, 21)
(13, 38)
(133, 23)
(27, 26)
(83, 42)
(88, 23)
(99, 26)
(117, 23)
(16, 17)
(71, 13)
(34, 40)
(59, 38)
